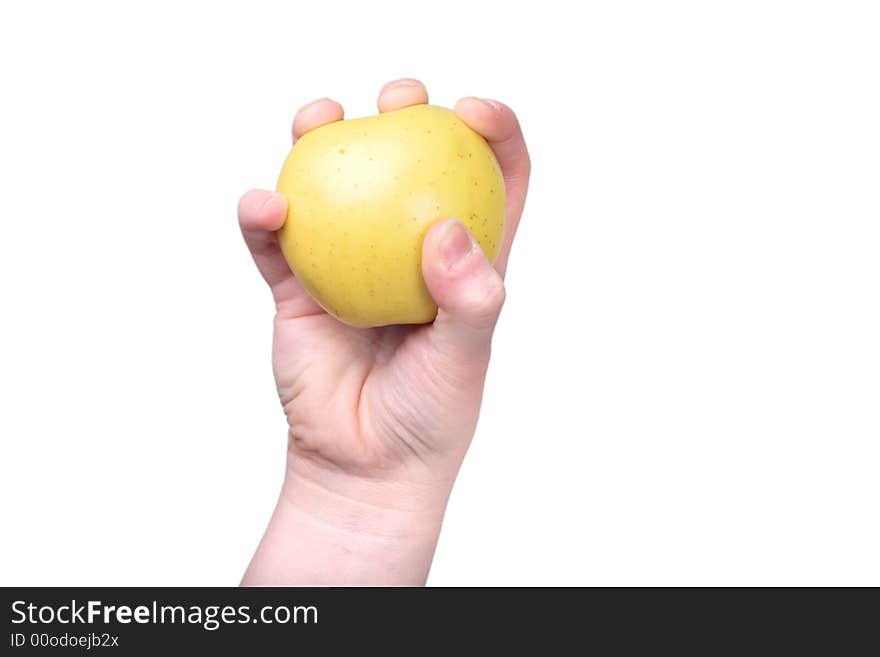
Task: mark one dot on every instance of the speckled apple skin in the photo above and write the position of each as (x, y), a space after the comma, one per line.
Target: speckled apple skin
(363, 193)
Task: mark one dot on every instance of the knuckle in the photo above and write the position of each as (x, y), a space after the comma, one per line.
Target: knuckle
(487, 304)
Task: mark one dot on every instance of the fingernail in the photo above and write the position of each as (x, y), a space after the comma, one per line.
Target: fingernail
(456, 243)
(402, 82)
(494, 104)
(315, 102)
(272, 198)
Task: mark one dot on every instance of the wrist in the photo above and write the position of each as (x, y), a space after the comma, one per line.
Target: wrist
(331, 527)
(332, 493)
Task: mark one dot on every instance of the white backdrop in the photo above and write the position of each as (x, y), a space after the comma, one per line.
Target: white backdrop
(685, 385)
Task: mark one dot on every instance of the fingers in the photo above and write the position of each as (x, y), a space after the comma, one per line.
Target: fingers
(260, 214)
(468, 291)
(316, 114)
(398, 94)
(499, 126)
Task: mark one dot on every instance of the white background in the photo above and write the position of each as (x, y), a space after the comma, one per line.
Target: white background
(685, 386)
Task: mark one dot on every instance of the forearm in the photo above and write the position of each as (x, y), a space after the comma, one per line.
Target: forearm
(332, 529)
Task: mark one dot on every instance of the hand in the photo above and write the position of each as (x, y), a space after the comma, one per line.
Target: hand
(379, 419)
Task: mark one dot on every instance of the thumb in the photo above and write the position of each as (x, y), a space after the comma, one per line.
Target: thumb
(468, 291)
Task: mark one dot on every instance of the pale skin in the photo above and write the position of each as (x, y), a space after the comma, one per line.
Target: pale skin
(379, 419)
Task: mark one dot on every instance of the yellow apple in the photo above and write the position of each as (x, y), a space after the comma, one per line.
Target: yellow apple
(363, 193)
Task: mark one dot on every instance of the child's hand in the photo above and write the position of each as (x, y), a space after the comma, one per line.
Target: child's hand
(379, 419)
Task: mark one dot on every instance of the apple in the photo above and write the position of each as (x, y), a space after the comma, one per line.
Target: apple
(362, 195)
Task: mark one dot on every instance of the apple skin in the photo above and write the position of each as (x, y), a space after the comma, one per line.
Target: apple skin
(362, 195)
